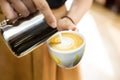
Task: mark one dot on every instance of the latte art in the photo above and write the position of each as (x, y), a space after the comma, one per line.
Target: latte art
(69, 42)
(66, 43)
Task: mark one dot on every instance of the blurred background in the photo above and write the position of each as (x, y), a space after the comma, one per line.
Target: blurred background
(101, 28)
(101, 61)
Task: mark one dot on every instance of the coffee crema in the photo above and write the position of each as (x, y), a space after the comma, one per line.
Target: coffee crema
(70, 41)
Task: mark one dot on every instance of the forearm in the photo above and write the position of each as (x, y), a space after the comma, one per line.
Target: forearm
(78, 9)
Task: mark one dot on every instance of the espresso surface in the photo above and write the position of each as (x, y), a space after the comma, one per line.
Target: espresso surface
(69, 42)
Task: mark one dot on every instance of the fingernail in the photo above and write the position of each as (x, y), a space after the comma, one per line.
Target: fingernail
(77, 30)
(54, 25)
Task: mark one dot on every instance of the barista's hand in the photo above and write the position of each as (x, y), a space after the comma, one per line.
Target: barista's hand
(66, 24)
(11, 9)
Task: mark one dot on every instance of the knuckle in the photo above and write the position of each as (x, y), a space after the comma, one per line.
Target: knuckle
(13, 1)
(25, 13)
(42, 6)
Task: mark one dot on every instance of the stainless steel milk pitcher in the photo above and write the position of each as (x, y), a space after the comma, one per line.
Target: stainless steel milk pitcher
(27, 35)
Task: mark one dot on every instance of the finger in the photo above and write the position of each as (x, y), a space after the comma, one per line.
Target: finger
(29, 5)
(20, 7)
(7, 9)
(67, 27)
(73, 28)
(77, 30)
(44, 8)
(66, 24)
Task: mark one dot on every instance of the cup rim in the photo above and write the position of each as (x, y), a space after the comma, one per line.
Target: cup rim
(71, 51)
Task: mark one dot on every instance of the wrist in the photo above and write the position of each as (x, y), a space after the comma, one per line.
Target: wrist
(69, 18)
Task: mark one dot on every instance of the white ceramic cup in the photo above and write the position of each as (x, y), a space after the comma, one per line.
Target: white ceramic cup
(67, 59)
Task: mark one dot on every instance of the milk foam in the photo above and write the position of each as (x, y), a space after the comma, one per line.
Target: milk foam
(69, 42)
(66, 42)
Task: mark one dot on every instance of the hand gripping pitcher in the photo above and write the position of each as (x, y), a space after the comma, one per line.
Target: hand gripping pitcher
(26, 34)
